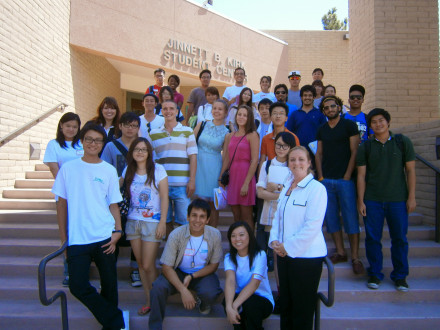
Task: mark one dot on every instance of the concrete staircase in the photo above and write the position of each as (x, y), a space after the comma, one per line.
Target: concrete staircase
(29, 231)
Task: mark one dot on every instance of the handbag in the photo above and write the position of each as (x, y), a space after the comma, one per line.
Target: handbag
(124, 205)
(224, 180)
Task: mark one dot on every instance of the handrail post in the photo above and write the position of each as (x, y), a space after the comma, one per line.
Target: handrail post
(437, 207)
(328, 301)
(42, 287)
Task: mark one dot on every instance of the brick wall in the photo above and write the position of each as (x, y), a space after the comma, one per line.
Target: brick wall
(318, 49)
(38, 70)
(423, 137)
(394, 48)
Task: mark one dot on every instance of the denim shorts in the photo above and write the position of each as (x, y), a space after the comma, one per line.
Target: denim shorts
(178, 206)
(341, 200)
(145, 230)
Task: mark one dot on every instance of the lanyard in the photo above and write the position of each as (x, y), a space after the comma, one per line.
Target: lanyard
(193, 264)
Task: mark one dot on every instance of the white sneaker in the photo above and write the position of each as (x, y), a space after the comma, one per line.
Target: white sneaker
(126, 316)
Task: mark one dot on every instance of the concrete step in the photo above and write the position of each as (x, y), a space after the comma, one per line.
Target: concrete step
(27, 266)
(347, 289)
(39, 175)
(45, 230)
(28, 194)
(41, 247)
(28, 216)
(26, 204)
(41, 167)
(34, 183)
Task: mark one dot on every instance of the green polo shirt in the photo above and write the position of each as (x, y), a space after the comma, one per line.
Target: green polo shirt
(385, 176)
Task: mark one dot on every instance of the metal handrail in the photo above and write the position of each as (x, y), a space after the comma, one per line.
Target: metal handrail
(42, 286)
(328, 301)
(18, 131)
(437, 195)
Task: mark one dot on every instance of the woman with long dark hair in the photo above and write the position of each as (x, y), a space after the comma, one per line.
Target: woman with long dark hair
(248, 296)
(107, 115)
(146, 186)
(297, 239)
(65, 147)
(245, 98)
(240, 155)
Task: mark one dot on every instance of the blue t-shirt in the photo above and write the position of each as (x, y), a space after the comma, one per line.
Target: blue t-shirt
(361, 122)
(293, 97)
(305, 124)
(292, 108)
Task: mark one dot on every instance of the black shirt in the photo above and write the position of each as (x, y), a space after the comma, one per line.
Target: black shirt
(336, 151)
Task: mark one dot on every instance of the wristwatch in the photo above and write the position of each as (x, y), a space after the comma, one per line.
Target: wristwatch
(118, 231)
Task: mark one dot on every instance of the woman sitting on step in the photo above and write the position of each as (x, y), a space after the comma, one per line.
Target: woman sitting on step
(248, 297)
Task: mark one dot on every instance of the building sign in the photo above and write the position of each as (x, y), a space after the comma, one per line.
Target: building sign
(186, 54)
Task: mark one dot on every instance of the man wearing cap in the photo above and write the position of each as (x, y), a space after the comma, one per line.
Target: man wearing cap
(293, 96)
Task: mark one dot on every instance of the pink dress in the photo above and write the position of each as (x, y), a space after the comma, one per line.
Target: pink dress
(238, 171)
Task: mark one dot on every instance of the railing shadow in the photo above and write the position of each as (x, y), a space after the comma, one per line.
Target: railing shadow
(42, 286)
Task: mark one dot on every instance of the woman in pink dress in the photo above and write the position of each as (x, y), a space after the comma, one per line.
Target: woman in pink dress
(244, 144)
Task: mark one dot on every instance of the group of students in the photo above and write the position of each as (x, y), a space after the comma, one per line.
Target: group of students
(160, 165)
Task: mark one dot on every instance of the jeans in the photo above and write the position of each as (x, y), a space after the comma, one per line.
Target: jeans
(179, 202)
(397, 220)
(208, 289)
(341, 198)
(104, 305)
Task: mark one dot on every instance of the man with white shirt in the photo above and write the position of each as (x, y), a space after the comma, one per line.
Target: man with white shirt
(232, 92)
(189, 261)
(90, 187)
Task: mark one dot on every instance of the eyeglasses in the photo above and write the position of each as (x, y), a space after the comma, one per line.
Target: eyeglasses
(89, 140)
(282, 146)
(278, 114)
(130, 126)
(239, 74)
(141, 150)
(295, 78)
(356, 97)
(280, 92)
(332, 106)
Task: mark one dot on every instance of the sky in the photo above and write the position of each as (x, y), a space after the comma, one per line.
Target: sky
(279, 14)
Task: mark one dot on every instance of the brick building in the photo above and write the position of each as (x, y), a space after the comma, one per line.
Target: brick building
(63, 51)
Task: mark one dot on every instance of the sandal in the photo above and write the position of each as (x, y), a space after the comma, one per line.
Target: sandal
(144, 310)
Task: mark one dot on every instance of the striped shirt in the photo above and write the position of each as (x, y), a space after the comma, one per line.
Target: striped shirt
(173, 151)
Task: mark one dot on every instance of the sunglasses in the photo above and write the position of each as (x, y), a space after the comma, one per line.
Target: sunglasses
(280, 92)
(295, 78)
(355, 97)
(331, 106)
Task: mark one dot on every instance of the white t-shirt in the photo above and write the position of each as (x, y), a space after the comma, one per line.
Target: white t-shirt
(144, 130)
(233, 91)
(145, 200)
(204, 113)
(261, 95)
(243, 275)
(195, 256)
(55, 154)
(89, 190)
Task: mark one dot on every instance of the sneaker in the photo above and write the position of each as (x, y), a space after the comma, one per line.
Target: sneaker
(358, 267)
(337, 258)
(126, 316)
(373, 283)
(401, 285)
(204, 309)
(66, 281)
(135, 279)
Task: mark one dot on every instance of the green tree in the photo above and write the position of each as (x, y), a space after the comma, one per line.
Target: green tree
(330, 21)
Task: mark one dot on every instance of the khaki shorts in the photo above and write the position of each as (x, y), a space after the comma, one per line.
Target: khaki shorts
(144, 230)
